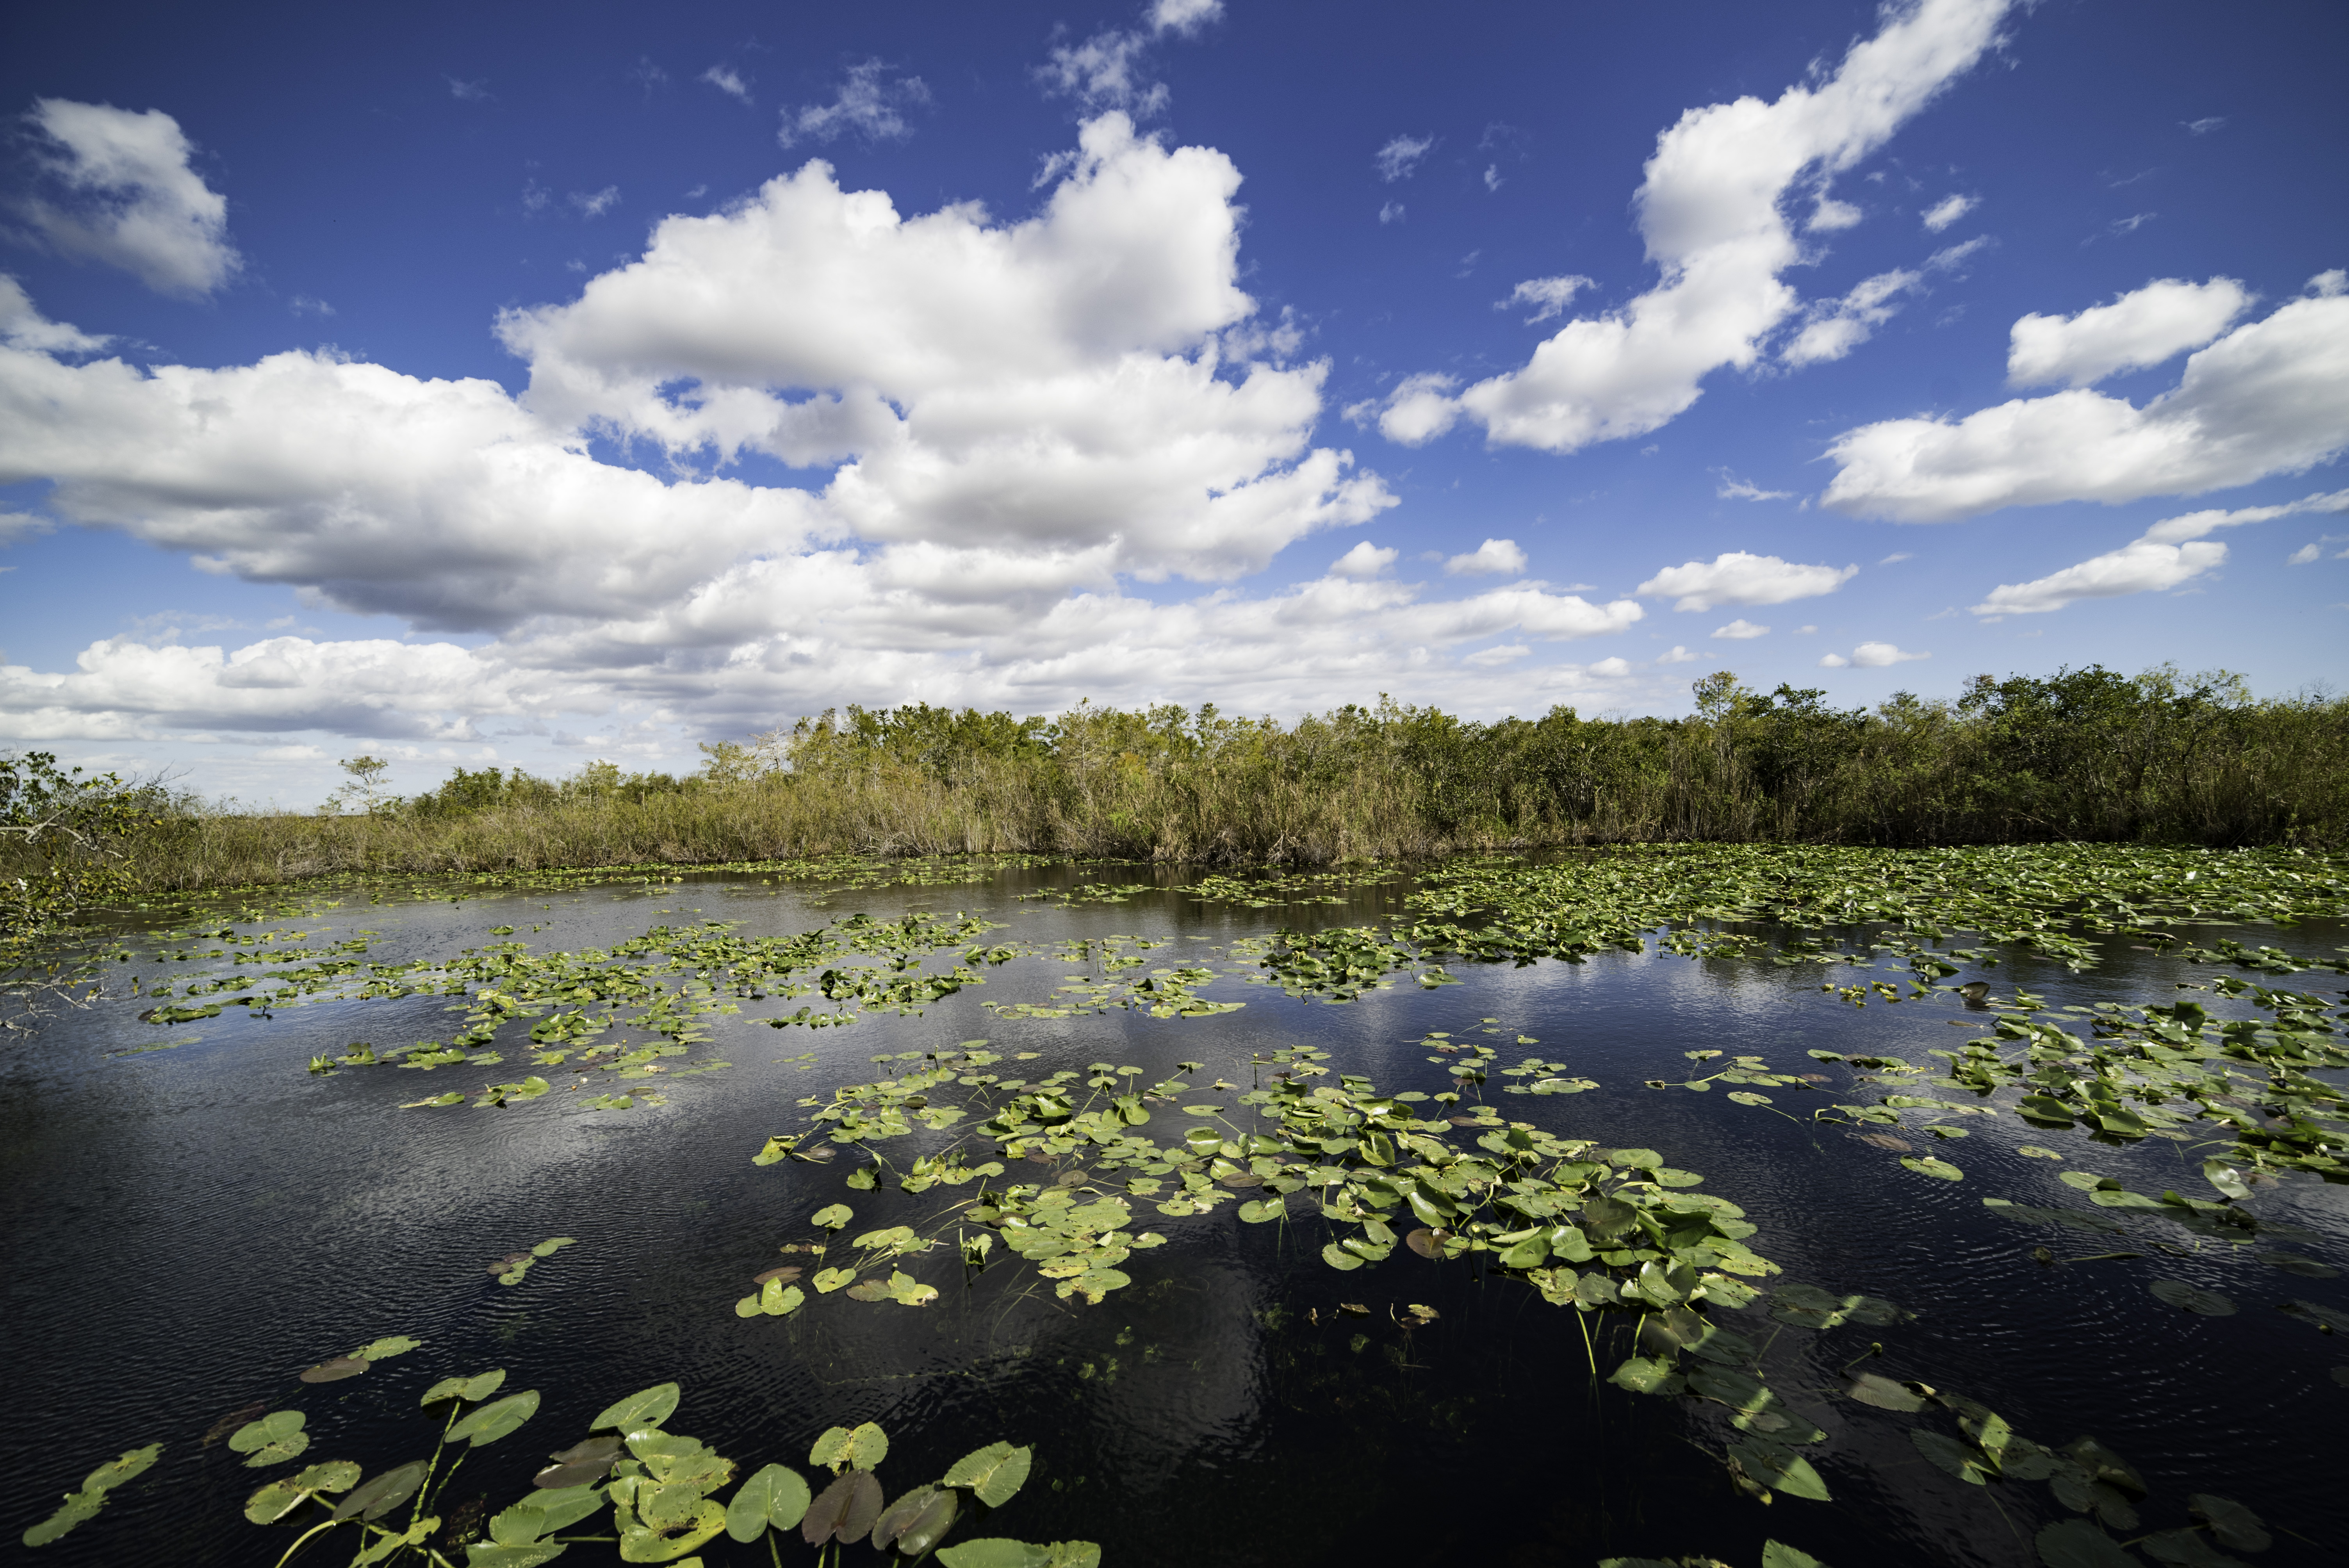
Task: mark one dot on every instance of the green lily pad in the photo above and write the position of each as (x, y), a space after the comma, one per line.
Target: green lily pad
(552, 1244)
(1780, 1469)
(1874, 1388)
(334, 1368)
(2077, 1543)
(2293, 1263)
(776, 1496)
(1339, 1258)
(1960, 1460)
(495, 1421)
(77, 1508)
(862, 1447)
(280, 1498)
(2187, 1549)
(995, 1552)
(275, 1437)
(1778, 1555)
(649, 1407)
(2231, 1522)
(1929, 1166)
(376, 1497)
(384, 1349)
(2191, 1298)
(993, 1473)
(835, 1218)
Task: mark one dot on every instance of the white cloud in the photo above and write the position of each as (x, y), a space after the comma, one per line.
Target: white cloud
(132, 202)
(2130, 224)
(1550, 296)
(1834, 327)
(595, 204)
(1418, 410)
(463, 91)
(1399, 157)
(1676, 654)
(1948, 211)
(1493, 180)
(1184, 16)
(728, 81)
(1492, 657)
(308, 304)
(22, 326)
(1712, 212)
(1829, 215)
(2142, 327)
(1500, 556)
(1740, 630)
(1391, 212)
(1738, 578)
(2304, 554)
(2205, 126)
(1804, 631)
(16, 525)
(1897, 557)
(1878, 656)
(1732, 489)
(2172, 551)
(2270, 397)
(1834, 661)
(1105, 71)
(1365, 560)
(865, 103)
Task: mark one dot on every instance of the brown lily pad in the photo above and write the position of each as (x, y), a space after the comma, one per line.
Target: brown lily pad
(787, 1273)
(333, 1369)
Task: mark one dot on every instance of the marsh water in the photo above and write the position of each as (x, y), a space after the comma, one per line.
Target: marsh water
(191, 1218)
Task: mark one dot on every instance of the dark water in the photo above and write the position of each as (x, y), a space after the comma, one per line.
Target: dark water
(186, 1229)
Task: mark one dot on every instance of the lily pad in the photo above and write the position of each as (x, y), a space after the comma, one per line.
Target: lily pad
(2192, 1298)
(2294, 1263)
(273, 1439)
(1778, 1555)
(2187, 1549)
(843, 1511)
(776, 1495)
(2231, 1522)
(835, 1218)
(2077, 1543)
(472, 1390)
(862, 1448)
(649, 1407)
(280, 1498)
(334, 1368)
(384, 1349)
(1874, 1388)
(386, 1491)
(1929, 1166)
(993, 1473)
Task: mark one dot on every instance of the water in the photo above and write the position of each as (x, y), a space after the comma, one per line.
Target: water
(186, 1229)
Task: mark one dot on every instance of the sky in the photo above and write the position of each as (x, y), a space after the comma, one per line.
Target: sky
(526, 385)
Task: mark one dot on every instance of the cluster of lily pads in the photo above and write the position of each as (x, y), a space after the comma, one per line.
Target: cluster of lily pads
(664, 1490)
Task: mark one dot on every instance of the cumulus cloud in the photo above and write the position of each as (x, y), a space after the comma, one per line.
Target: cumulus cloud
(2172, 551)
(2142, 327)
(1832, 328)
(1184, 16)
(1675, 654)
(1734, 489)
(1399, 157)
(866, 104)
(1712, 212)
(22, 326)
(1948, 211)
(997, 423)
(2270, 397)
(1365, 560)
(1740, 630)
(129, 198)
(1549, 296)
(1106, 70)
(1495, 556)
(1739, 578)
(1870, 656)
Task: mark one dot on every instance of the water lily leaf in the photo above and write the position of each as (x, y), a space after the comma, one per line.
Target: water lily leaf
(1778, 1555)
(1264, 1208)
(996, 1553)
(1885, 1141)
(2231, 1522)
(829, 1280)
(2330, 1318)
(637, 1411)
(2187, 1549)
(2178, 1294)
(835, 1218)
(384, 1349)
(385, 1547)
(1929, 1166)
(647, 1543)
(862, 1449)
(2225, 1178)
(1072, 1554)
(926, 1528)
(994, 1473)
(273, 1439)
(1780, 1470)
(552, 1245)
(77, 1507)
(2104, 1466)
(907, 1291)
(386, 1491)
(472, 1390)
(1746, 1097)
(1426, 1241)
(776, 1495)
(2077, 1543)
(843, 1511)
(490, 1554)
(1962, 1460)
(334, 1368)
(1873, 1388)
(1338, 1257)
(2293, 1263)
(527, 1522)
(2033, 1151)
(1648, 1375)
(280, 1498)
(869, 1290)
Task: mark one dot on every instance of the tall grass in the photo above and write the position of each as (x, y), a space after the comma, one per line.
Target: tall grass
(2085, 754)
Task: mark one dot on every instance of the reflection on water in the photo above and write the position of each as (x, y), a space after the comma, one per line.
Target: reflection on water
(188, 1228)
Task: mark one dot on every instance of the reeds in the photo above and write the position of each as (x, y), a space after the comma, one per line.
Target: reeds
(2087, 755)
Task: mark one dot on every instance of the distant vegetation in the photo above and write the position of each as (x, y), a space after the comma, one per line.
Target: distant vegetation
(2086, 754)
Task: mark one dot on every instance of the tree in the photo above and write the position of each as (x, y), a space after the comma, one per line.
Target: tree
(365, 791)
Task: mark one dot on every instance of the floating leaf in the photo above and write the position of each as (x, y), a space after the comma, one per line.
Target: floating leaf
(526, 1523)
(1778, 1555)
(926, 1528)
(1780, 1470)
(1962, 1460)
(862, 1448)
(2293, 1263)
(280, 1498)
(637, 1411)
(2231, 1522)
(77, 1507)
(386, 1348)
(2033, 1151)
(384, 1493)
(996, 1553)
(673, 1538)
(829, 1280)
(1929, 1166)
(2077, 1543)
(843, 1511)
(775, 1495)
(472, 1390)
(552, 1244)
(494, 1421)
(1264, 1208)
(2178, 1294)
(1338, 1257)
(994, 1473)
(2187, 1549)
(835, 1218)
(334, 1368)
(1872, 1388)
(1885, 1141)
(272, 1439)
(1646, 1375)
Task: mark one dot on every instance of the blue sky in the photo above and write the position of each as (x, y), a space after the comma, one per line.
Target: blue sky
(535, 384)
